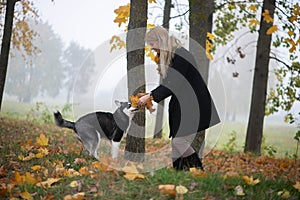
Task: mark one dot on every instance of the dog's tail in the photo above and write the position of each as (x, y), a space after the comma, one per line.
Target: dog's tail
(61, 122)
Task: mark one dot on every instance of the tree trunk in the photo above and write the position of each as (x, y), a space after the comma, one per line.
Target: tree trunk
(7, 31)
(201, 15)
(200, 19)
(161, 105)
(135, 46)
(260, 82)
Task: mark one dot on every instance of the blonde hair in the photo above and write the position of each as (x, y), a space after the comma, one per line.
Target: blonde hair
(167, 45)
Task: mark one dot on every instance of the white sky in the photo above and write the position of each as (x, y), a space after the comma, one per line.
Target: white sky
(88, 22)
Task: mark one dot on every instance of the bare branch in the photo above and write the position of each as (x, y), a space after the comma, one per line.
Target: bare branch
(278, 60)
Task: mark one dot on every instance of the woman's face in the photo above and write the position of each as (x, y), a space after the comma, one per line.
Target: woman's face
(154, 46)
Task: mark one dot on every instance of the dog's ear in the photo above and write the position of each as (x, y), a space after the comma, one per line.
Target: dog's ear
(118, 103)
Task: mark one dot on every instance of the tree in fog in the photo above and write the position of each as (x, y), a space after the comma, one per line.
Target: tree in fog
(18, 33)
(39, 74)
(278, 28)
(75, 57)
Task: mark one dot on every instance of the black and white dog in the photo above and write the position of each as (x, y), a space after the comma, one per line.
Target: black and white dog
(93, 127)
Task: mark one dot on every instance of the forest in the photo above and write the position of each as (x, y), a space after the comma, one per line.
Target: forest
(247, 52)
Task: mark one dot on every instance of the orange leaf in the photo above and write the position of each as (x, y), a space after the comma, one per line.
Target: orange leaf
(18, 179)
(167, 189)
(272, 29)
(267, 16)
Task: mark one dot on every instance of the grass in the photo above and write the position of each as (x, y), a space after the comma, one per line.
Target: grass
(224, 171)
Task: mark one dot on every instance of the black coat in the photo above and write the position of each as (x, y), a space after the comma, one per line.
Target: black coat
(191, 107)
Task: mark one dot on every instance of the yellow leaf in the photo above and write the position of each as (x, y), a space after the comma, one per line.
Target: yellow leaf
(272, 29)
(152, 1)
(292, 43)
(36, 167)
(209, 56)
(239, 191)
(84, 171)
(74, 184)
(252, 8)
(167, 189)
(210, 36)
(26, 195)
(267, 17)
(253, 22)
(181, 189)
(18, 179)
(122, 14)
(284, 194)
(71, 173)
(250, 180)
(197, 172)
(133, 176)
(42, 140)
(297, 186)
(78, 196)
(29, 179)
(48, 183)
(291, 33)
(150, 26)
(27, 158)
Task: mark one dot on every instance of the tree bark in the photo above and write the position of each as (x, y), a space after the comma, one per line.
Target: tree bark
(200, 18)
(135, 44)
(5, 47)
(161, 105)
(260, 82)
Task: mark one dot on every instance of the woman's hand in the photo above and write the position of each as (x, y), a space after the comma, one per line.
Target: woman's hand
(144, 99)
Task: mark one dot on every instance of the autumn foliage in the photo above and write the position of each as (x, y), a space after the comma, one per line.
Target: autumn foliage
(38, 161)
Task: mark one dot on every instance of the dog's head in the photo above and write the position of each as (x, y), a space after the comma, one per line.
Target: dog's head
(126, 108)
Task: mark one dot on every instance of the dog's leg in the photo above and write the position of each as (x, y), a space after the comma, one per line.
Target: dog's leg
(115, 146)
(95, 146)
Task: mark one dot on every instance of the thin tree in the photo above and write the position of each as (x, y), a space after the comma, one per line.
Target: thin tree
(260, 82)
(135, 45)
(160, 108)
(5, 47)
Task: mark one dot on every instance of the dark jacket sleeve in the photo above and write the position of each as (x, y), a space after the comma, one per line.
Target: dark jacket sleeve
(172, 82)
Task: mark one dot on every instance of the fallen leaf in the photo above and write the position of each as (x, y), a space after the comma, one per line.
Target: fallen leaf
(239, 191)
(78, 196)
(167, 189)
(250, 180)
(29, 178)
(3, 172)
(48, 183)
(284, 194)
(197, 172)
(297, 186)
(42, 140)
(79, 161)
(36, 167)
(181, 189)
(26, 195)
(133, 176)
(74, 184)
(18, 179)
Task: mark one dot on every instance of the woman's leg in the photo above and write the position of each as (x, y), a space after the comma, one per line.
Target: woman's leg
(183, 155)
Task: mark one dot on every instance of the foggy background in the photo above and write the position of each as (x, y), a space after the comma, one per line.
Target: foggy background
(76, 65)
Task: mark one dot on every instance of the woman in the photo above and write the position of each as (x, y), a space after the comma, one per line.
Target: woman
(191, 108)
